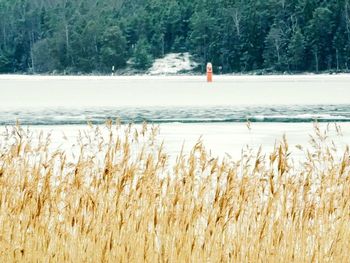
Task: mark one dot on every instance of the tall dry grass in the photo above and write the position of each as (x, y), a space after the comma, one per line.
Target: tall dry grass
(126, 202)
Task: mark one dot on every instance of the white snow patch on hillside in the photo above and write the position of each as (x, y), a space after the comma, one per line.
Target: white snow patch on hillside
(173, 63)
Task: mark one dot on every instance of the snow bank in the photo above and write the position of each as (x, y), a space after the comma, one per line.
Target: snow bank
(173, 63)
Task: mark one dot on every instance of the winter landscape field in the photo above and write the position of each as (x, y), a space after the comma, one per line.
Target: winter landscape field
(242, 169)
(174, 131)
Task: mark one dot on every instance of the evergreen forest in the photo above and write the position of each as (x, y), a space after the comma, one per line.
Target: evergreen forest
(91, 36)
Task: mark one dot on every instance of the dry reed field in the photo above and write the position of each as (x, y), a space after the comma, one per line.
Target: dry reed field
(120, 199)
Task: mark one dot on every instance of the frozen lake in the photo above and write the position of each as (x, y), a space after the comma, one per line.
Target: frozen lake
(33, 91)
(185, 107)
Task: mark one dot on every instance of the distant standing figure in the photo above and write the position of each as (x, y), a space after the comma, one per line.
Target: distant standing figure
(220, 70)
(113, 71)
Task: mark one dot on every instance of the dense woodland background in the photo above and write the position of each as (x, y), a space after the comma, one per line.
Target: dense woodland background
(89, 36)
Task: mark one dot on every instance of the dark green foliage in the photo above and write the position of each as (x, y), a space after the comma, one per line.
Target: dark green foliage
(236, 35)
(5, 63)
(142, 56)
(296, 50)
(42, 59)
(113, 49)
(275, 48)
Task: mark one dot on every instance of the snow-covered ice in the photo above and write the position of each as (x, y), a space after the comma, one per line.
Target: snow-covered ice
(47, 91)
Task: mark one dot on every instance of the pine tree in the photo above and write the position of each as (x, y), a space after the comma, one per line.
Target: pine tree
(273, 48)
(320, 31)
(113, 50)
(142, 56)
(296, 50)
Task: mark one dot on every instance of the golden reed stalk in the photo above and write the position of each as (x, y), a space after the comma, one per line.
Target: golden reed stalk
(126, 202)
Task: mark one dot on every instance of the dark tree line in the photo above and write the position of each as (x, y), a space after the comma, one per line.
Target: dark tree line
(238, 35)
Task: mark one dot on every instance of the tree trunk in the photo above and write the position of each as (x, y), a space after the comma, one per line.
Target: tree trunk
(337, 57)
(163, 46)
(32, 51)
(32, 56)
(347, 19)
(4, 36)
(67, 39)
(237, 21)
